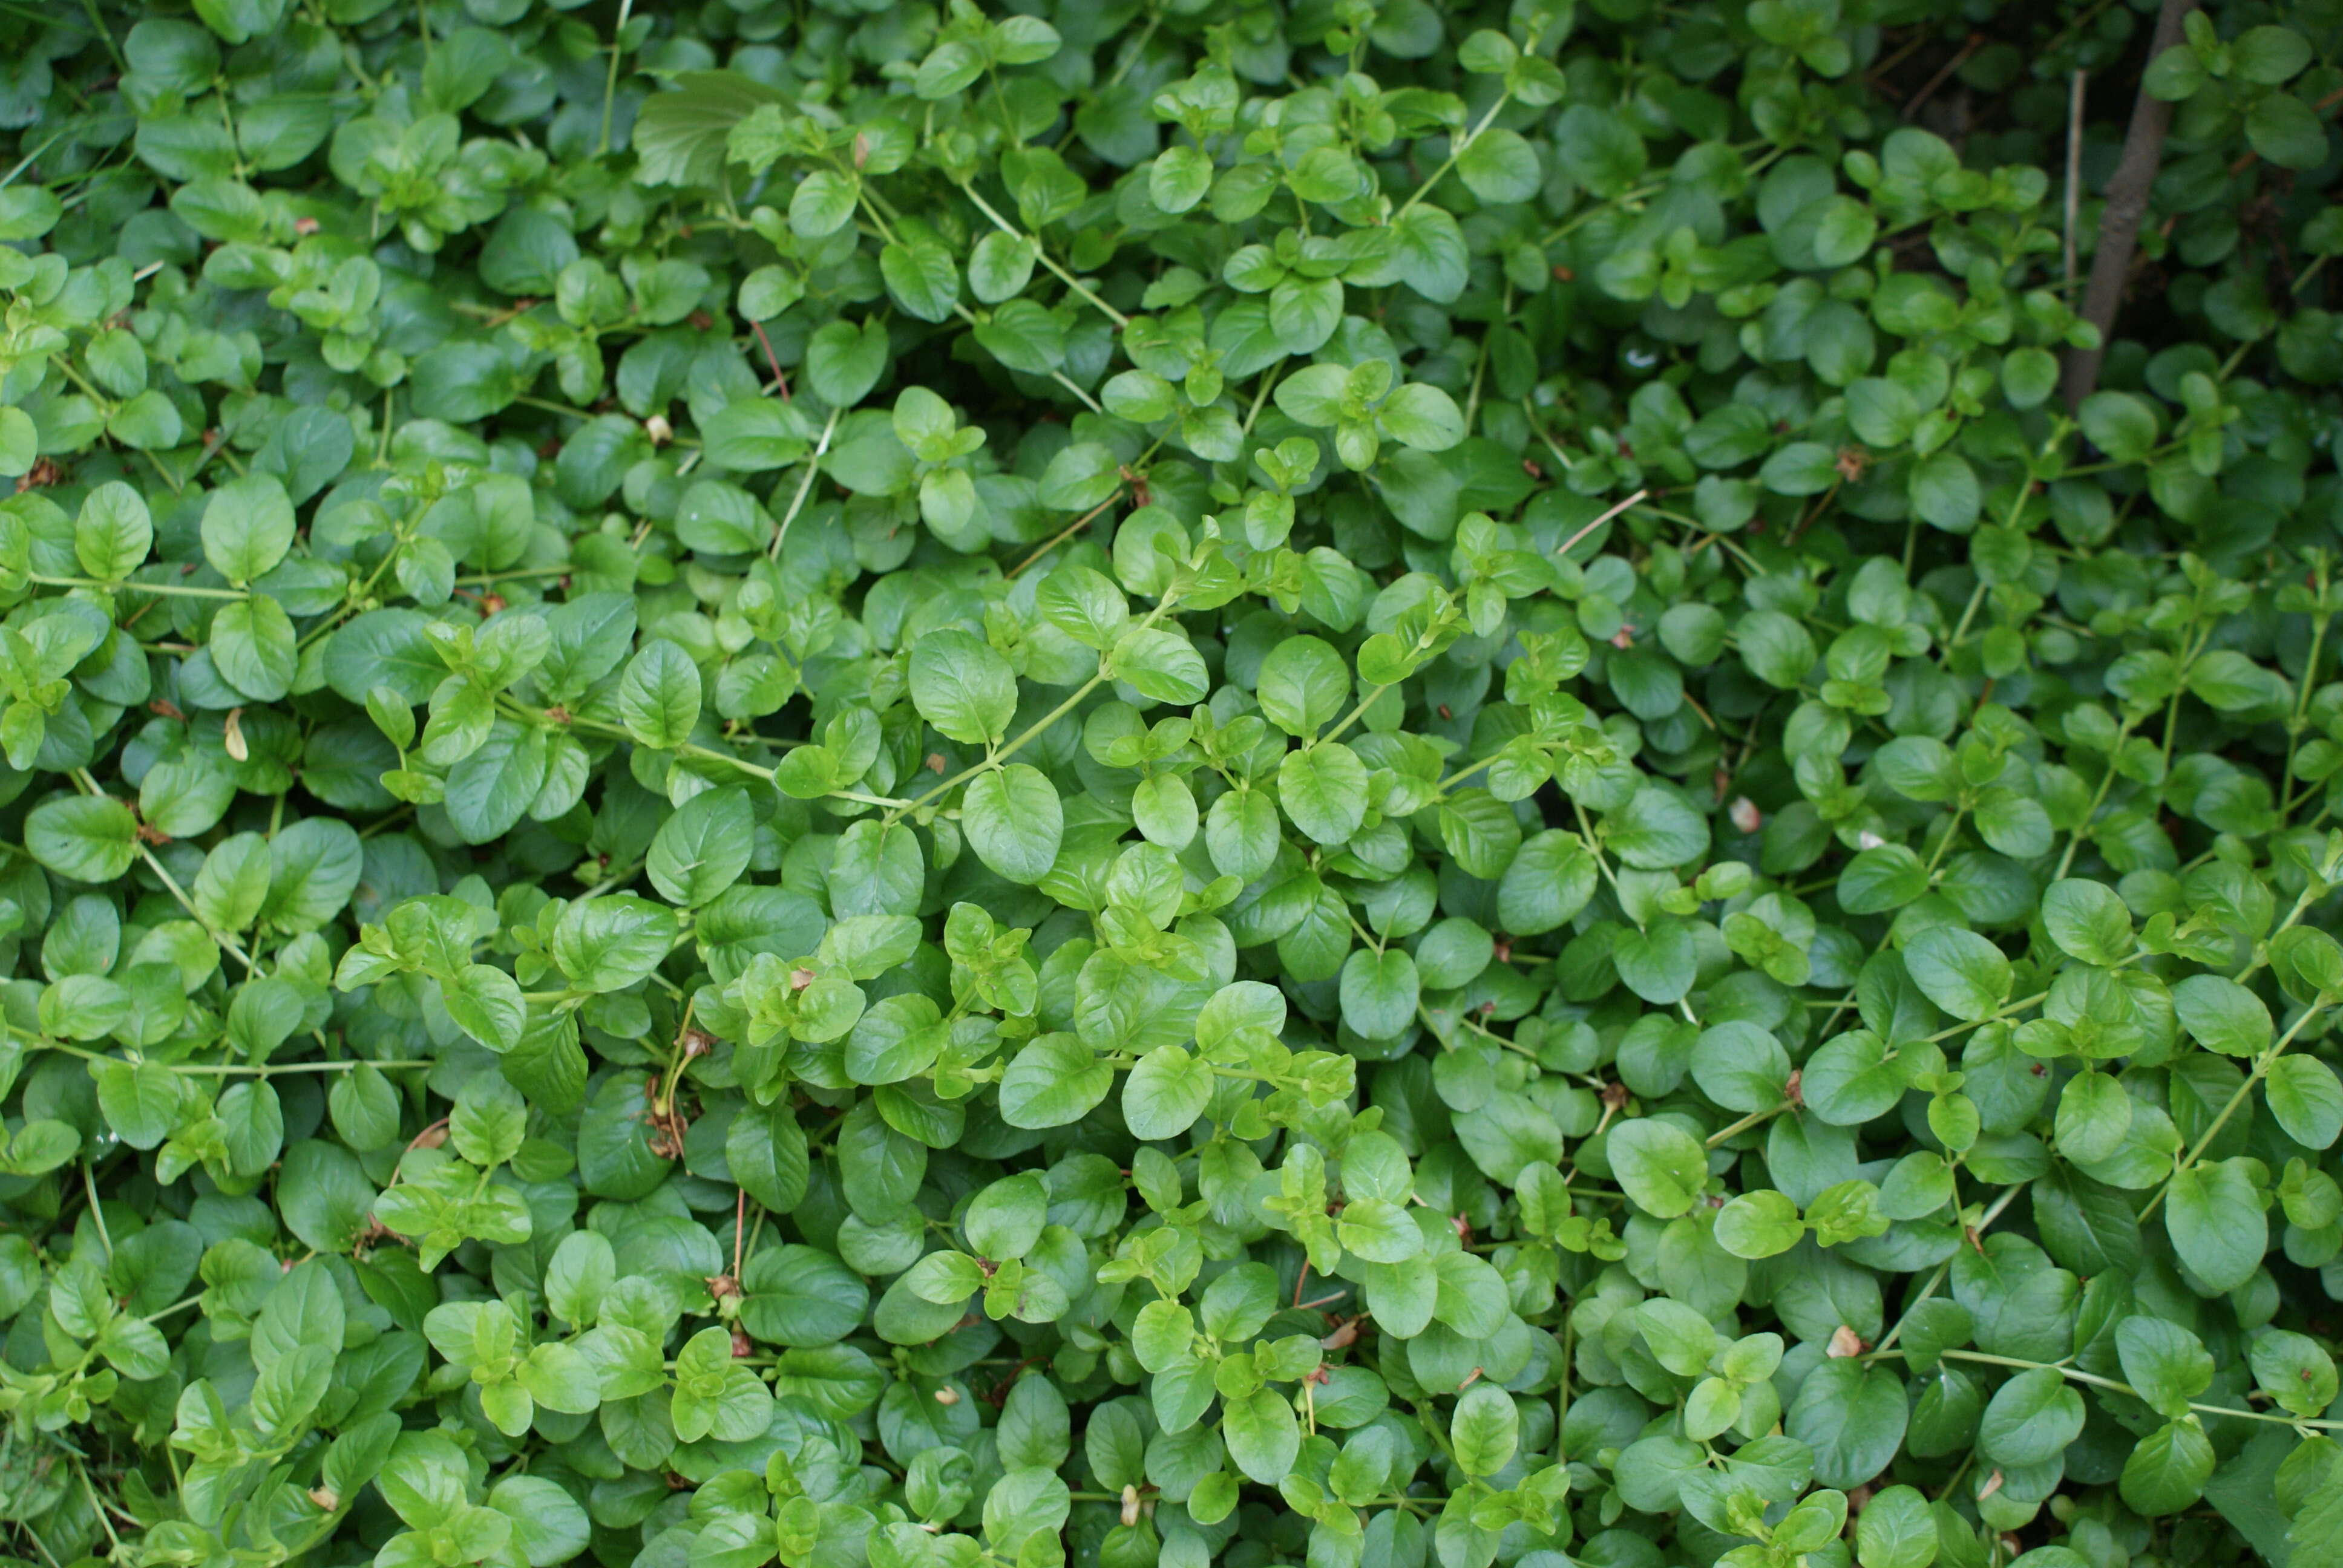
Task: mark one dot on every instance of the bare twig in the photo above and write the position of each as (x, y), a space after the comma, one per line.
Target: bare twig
(805, 485)
(773, 360)
(1976, 42)
(1564, 548)
(2073, 167)
(1064, 534)
(1903, 53)
(2127, 204)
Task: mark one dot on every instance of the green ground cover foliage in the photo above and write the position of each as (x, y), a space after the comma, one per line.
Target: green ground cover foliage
(1151, 781)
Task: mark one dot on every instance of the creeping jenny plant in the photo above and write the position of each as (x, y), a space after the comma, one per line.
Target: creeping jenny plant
(1361, 784)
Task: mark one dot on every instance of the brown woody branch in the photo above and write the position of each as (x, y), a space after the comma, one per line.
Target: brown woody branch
(2126, 205)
